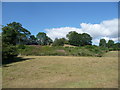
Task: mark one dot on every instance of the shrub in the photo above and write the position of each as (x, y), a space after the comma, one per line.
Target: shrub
(8, 53)
(55, 51)
(21, 46)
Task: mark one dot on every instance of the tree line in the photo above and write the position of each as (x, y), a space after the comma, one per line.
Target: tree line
(15, 34)
(110, 44)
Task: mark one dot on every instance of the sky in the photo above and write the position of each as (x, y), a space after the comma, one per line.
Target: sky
(56, 19)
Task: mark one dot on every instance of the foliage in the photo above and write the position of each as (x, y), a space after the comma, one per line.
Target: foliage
(32, 40)
(22, 33)
(43, 39)
(88, 50)
(8, 52)
(102, 43)
(115, 47)
(9, 35)
(59, 42)
(79, 39)
(15, 36)
(21, 46)
(48, 40)
(86, 39)
(110, 43)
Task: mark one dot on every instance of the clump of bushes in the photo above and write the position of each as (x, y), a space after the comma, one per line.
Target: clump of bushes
(8, 53)
(88, 50)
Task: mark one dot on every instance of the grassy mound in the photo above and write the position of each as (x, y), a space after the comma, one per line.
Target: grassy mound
(37, 50)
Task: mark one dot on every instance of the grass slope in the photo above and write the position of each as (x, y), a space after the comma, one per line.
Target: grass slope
(62, 72)
(62, 51)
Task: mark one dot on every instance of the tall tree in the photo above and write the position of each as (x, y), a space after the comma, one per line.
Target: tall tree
(48, 40)
(32, 40)
(9, 50)
(78, 39)
(22, 33)
(85, 39)
(110, 44)
(41, 37)
(73, 38)
(12, 34)
(102, 43)
(58, 42)
(9, 35)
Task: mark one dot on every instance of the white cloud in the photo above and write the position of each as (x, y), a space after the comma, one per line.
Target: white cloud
(107, 29)
(61, 32)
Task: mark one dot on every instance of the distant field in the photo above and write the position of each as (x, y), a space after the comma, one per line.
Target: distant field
(111, 54)
(62, 72)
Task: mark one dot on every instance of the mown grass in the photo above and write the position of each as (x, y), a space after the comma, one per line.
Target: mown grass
(62, 72)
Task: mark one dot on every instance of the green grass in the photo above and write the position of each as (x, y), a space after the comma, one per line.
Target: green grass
(62, 72)
(62, 51)
(111, 54)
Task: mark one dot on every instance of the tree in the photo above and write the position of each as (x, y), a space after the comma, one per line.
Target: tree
(116, 46)
(9, 35)
(48, 40)
(85, 39)
(22, 33)
(110, 44)
(77, 39)
(13, 34)
(58, 42)
(73, 38)
(43, 39)
(32, 40)
(9, 50)
(102, 43)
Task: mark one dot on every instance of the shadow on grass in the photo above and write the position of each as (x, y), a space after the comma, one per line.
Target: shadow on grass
(16, 59)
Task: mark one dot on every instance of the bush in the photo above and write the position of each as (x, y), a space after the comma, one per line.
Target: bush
(8, 53)
(21, 46)
(58, 42)
(68, 51)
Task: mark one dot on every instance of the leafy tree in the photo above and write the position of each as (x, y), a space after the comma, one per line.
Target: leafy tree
(79, 39)
(85, 39)
(9, 50)
(32, 40)
(43, 39)
(73, 38)
(110, 44)
(102, 43)
(9, 35)
(22, 33)
(48, 40)
(64, 40)
(116, 46)
(12, 34)
(59, 42)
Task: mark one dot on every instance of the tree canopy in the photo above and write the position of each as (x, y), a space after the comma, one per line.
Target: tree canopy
(110, 44)
(102, 43)
(59, 42)
(43, 39)
(14, 34)
(22, 34)
(77, 39)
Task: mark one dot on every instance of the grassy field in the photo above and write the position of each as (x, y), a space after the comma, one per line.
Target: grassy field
(62, 72)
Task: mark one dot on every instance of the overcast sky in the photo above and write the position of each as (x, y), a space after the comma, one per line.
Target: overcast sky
(99, 19)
